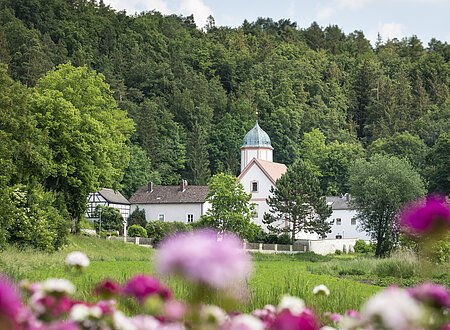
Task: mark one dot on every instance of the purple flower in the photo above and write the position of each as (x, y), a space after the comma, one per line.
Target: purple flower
(426, 215)
(201, 258)
(433, 294)
(10, 305)
(287, 321)
(142, 286)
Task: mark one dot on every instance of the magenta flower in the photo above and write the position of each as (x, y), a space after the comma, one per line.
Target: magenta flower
(426, 215)
(142, 286)
(432, 294)
(287, 321)
(10, 305)
(107, 288)
(199, 257)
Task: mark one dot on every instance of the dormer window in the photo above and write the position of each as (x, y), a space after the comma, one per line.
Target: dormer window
(254, 186)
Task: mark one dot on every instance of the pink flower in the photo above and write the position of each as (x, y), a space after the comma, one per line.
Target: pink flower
(426, 215)
(10, 305)
(200, 257)
(287, 321)
(335, 317)
(142, 286)
(174, 310)
(107, 288)
(433, 294)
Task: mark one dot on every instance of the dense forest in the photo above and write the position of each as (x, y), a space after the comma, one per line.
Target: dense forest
(321, 95)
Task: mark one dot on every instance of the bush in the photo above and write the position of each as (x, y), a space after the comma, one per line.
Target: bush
(111, 218)
(85, 224)
(30, 217)
(441, 251)
(362, 247)
(158, 230)
(338, 252)
(137, 218)
(277, 239)
(395, 268)
(137, 231)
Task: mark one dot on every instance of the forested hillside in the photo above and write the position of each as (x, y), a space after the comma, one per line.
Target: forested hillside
(320, 94)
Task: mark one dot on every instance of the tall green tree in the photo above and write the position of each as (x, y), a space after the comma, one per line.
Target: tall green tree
(402, 145)
(230, 209)
(197, 156)
(86, 132)
(139, 171)
(297, 203)
(380, 187)
(438, 165)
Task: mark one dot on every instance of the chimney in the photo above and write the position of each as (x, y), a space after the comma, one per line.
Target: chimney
(348, 197)
(150, 186)
(183, 185)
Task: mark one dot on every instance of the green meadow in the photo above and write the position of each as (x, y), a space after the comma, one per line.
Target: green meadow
(272, 277)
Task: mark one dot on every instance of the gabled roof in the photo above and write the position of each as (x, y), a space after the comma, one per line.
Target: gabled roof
(272, 170)
(169, 195)
(339, 203)
(114, 197)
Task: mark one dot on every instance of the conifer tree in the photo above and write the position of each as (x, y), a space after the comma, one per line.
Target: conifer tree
(296, 204)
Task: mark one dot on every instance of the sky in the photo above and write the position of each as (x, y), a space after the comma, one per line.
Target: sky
(390, 18)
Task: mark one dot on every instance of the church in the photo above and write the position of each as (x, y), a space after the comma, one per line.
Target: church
(259, 172)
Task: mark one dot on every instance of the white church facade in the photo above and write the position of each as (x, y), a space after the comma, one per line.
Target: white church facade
(259, 174)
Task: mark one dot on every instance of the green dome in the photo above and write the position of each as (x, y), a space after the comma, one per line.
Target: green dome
(256, 137)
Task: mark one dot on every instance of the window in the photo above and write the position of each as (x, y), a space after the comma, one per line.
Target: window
(353, 221)
(338, 221)
(161, 217)
(190, 218)
(254, 186)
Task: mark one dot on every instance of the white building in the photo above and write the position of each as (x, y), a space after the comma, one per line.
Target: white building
(171, 203)
(107, 197)
(344, 223)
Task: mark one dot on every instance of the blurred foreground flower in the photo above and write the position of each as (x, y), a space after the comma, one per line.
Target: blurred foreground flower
(10, 305)
(107, 289)
(321, 290)
(431, 294)
(57, 287)
(200, 258)
(77, 259)
(426, 216)
(393, 309)
(288, 321)
(143, 286)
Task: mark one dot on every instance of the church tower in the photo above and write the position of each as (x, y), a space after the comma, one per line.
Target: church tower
(257, 145)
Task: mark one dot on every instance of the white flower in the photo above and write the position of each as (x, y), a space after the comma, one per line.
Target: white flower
(79, 312)
(78, 259)
(121, 322)
(293, 304)
(213, 314)
(321, 289)
(58, 285)
(245, 322)
(394, 308)
(145, 322)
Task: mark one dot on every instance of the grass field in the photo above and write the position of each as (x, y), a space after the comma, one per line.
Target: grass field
(273, 275)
